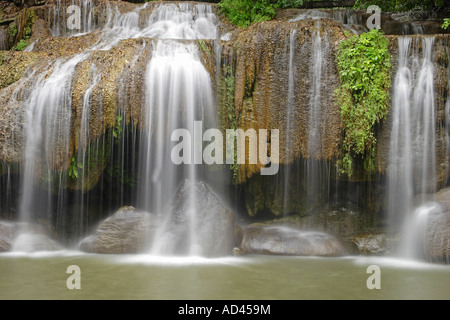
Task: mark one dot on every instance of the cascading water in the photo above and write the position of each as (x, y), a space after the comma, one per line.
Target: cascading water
(47, 126)
(349, 18)
(315, 172)
(290, 108)
(412, 167)
(179, 92)
(315, 168)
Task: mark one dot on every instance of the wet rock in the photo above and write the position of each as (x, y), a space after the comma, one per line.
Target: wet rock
(40, 30)
(32, 242)
(238, 236)
(127, 231)
(280, 240)
(28, 237)
(7, 235)
(370, 244)
(443, 197)
(196, 207)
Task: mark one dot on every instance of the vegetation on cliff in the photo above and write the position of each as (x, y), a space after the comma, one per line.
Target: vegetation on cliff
(243, 13)
(364, 70)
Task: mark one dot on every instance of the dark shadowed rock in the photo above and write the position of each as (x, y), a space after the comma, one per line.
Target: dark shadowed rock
(279, 240)
(371, 244)
(197, 222)
(127, 231)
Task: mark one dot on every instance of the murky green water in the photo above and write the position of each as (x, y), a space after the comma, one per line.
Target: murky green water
(43, 276)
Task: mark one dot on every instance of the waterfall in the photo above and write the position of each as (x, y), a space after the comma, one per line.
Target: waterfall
(290, 114)
(316, 170)
(178, 92)
(349, 18)
(412, 158)
(47, 132)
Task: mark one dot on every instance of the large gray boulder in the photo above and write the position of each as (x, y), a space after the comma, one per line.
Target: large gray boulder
(195, 222)
(127, 231)
(281, 240)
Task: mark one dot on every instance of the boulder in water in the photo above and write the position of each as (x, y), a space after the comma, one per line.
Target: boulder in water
(281, 240)
(196, 223)
(31, 242)
(26, 237)
(127, 231)
(370, 244)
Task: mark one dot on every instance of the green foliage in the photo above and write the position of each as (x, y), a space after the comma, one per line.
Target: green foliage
(446, 24)
(27, 31)
(12, 30)
(202, 45)
(22, 45)
(243, 13)
(117, 131)
(400, 5)
(73, 169)
(364, 70)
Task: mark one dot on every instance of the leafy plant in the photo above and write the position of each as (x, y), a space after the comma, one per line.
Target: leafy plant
(364, 70)
(243, 13)
(202, 45)
(446, 24)
(22, 45)
(73, 169)
(117, 132)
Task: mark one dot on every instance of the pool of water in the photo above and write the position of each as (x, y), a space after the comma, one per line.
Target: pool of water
(44, 276)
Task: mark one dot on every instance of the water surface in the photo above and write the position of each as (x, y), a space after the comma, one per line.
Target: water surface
(43, 276)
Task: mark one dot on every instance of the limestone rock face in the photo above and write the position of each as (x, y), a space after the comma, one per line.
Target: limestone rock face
(268, 54)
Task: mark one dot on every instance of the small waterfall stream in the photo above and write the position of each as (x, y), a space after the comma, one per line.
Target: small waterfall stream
(412, 168)
(179, 92)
